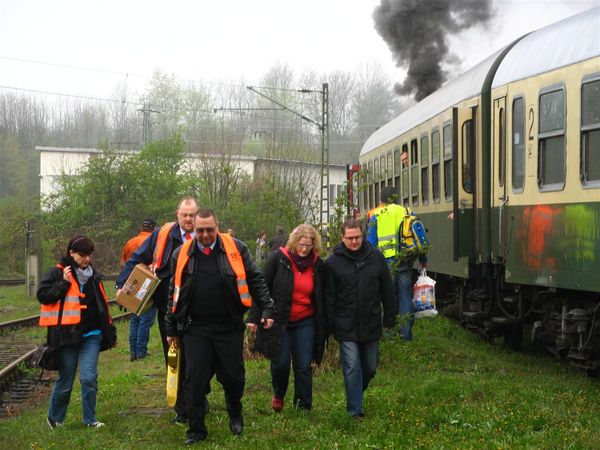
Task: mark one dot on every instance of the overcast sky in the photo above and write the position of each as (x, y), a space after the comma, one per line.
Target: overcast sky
(227, 40)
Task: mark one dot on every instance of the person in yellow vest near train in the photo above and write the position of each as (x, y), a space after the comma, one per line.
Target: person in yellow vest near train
(75, 311)
(383, 232)
(156, 252)
(213, 282)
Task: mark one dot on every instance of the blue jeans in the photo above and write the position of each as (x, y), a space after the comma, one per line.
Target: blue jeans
(297, 346)
(86, 353)
(359, 363)
(404, 291)
(139, 332)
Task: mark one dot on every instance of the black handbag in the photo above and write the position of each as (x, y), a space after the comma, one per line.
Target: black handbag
(45, 357)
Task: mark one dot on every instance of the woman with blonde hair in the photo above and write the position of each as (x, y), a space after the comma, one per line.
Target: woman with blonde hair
(295, 276)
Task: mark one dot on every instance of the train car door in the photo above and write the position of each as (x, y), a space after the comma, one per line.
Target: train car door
(500, 197)
(463, 151)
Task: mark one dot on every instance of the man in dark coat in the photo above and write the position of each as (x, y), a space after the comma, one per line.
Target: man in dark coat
(212, 279)
(358, 284)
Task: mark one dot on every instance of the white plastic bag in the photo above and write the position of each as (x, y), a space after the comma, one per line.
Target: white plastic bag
(424, 296)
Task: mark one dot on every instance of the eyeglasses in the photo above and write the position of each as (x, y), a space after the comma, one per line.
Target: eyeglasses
(84, 255)
(352, 238)
(208, 230)
(306, 246)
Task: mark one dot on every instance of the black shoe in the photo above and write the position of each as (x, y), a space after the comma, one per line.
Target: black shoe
(180, 419)
(133, 358)
(191, 440)
(236, 425)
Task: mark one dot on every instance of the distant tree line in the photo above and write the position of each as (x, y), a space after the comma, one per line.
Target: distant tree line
(113, 192)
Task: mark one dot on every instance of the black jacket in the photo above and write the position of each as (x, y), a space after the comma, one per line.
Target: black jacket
(358, 284)
(280, 278)
(53, 288)
(178, 322)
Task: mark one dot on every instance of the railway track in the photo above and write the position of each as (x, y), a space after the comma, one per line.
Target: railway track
(17, 386)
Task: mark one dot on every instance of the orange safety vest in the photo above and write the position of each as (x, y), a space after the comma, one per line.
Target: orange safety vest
(161, 242)
(71, 313)
(235, 261)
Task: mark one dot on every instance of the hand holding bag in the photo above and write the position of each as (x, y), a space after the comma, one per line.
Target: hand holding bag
(424, 296)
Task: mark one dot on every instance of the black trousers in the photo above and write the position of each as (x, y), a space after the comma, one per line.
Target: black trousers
(208, 352)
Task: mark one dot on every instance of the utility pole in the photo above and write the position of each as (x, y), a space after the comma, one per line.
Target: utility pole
(147, 123)
(323, 126)
(33, 258)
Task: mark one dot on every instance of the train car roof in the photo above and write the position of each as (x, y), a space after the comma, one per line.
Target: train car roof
(569, 41)
(574, 39)
(465, 86)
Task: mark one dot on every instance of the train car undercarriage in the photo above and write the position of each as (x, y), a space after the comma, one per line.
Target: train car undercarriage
(563, 322)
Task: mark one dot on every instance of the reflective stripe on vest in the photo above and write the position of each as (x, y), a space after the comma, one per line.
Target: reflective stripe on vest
(161, 242)
(235, 261)
(389, 218)
(71, 314)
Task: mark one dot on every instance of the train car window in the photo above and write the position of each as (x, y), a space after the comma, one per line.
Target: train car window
(370, 182)
(551, 141)
(397, 168)
(414, 172)
(590, 133)
(376, 175)
(435, 165)
(425, 170)
(405, 179)
(390, 172)
(467, 156)
(518, 144)
(501, 146)
(447, 132)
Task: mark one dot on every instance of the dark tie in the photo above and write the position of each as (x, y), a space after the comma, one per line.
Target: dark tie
(206, 250)
(188, 236)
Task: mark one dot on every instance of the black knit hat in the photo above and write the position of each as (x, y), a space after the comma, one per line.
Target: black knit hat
(148, 224)
(81, 244)
(389, 194)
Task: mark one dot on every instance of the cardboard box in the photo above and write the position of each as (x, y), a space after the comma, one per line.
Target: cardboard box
(138, 289)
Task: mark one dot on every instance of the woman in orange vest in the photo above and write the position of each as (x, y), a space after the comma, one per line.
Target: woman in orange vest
(75, 311)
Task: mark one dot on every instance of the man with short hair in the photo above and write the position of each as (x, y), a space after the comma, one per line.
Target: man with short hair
(278, 240)
(383, 232)
(139, 326)
(358, 285)
(156, 251)
(213, 283)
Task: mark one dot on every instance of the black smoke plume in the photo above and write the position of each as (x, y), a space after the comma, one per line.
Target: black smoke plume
(416, 32)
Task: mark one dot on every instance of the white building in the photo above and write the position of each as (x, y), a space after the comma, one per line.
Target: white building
(55, 161)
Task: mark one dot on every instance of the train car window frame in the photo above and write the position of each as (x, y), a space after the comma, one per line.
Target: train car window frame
(382, 171)
(397, 166)
(370, 184)
(501, 146)
(414, 172)
(390, 169)
(467, 156)
(376, 181)
(556, 137)
(590, 134)
(447, 150)
(518, 147)
(405, 184)
(363, 187)
(435, 165)
(425, 169)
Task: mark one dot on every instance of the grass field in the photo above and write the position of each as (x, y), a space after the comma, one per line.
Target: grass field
(446, 389)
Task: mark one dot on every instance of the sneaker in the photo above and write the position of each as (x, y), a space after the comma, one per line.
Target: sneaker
(180, 419)
(95, 424)
(54, 425)
(358, 417)
(277, 404)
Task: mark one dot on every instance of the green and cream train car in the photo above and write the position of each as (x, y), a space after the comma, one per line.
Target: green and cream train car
(504, 169)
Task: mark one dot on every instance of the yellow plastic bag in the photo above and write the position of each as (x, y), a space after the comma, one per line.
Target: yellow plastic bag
(173, 361)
